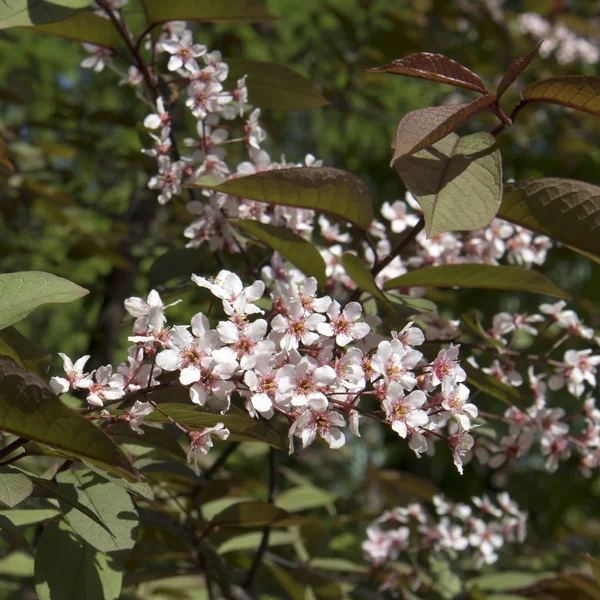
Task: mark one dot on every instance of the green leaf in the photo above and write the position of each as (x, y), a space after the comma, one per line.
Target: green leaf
(341, 565)
(23, 352)
(30, 516)
(304, 497)
(14, 534)
(241, 426)
(471, 321)
(251, 541)
(67, 568)
(582, 583)
(14, 486)
(426, 126)
(297, 250)
(21, 293)
(322, 189)
(508, 580)
(275, 86)
(30, 409)
(457, 182)
(565, 210)
(151, 438)
(490, 277)
(178, 263)
(595, 565)
(491, 385)
(434, 67)
(515, 69)
(84, 27)
(111, 503)
(256, 514)
(139, 488)
(409, 305)
(362, 277)
(581, 92)
(229, 11)
(23, 13)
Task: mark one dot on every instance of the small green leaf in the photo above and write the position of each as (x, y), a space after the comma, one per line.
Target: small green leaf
(111, 503)
(23, 13)
(23, 352)
(21, 293)
(478, 276)
(251, 541)
(581, 92)
(491, 385)
(275, 86)
(178, 263)
(322, 189)
(30, 409)
(256, 514)
(14, 486)
(565, 210)
(409, 305)
(471, 321)
(67, 568)
(457, 182)
(304, 497)
(341, 565)
(297, 250)
(362, 277)
(14, 534)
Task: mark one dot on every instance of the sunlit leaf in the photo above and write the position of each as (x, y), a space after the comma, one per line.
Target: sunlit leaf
(515, 69)
(14, 487)
(139, 488)
(22, 13)
(13, 533)
(565, 210)
(21, 293)
(110, 502)
(275, 86)
(256, 514)
(478, 276)
(30, 516)
(457, 182)
(30, 409)
(424, 127)
(304, 497)
(581, 92)
(341, 565)
(251, 541)
(297, 250)
(323, 189)
(68, 568)
(434, 67)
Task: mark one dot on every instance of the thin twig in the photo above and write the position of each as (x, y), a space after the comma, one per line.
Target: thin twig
(13, 446)
(402, 245)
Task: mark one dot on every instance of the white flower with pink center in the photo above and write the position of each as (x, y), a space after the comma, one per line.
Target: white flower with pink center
(397, 214)
(348, 369)
(343, 324)
(455, 396)
(313, 422)
(201, 442)
(297, 327)
(75, 378)
(213, 385)
(579, 368)
(160, 118)
(149, 314)
(135, 417)
(305, 383)
(183, 52)
(246, 340)
(305, 292)
(396, 363)
(263, 384)
(446, 365)
(460, 445)
(106, 387)
(404, 411)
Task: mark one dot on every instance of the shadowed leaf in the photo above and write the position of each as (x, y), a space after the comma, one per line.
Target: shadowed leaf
(492, 277)
(488, 384)
(515, 69)
(424, 127)
(581, 92)
(457, 182)
(297, 250)
(23, 352)
(13, 533)
(362, 277)
(566, 210)
(256, 514)
(322, 189)
(434, 67)
(275, 86)
(21, 293)
(23, 13)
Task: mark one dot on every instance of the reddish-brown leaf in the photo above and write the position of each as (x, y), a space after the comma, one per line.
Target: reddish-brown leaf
(517, 67)
(424, 127)
(575, 91)
(434, 67)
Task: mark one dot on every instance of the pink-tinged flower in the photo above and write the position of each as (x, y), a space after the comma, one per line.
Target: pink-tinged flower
(537, 386)
(262, 383)
(567, 319)
(343, 323)
(511, 447)
(382, 546)
(507, 505)
(201, 442)
(460, 445)
(486, 506)
(395, 363)
(437, 328)
(486, 540)
(555, 449)
(97, 60)
(305, 293)
(505, 372)
(455, 396)
(237, 300)
(348, 369)
(548, 421)
(168, 180)
(160, 118)
(323, 422)
(297, 327)
(403, 411)
(149, 313)
(75, 378)
(183, 52)
(331, 231)
(136, 373)
(135, 417)
(134, 77)
(304, 383)
(254, 134)
(451, 536)
(446, 365)
(456, 510)
(396, 213)
(246, 340)
(410, 336)
(580, 367)
(106, 387)
(205, 97)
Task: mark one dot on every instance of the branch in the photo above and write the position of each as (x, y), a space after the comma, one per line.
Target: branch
(402, 245)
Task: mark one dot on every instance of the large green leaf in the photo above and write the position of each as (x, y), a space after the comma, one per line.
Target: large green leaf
(581, 92)
(10, 530)
(256, 514)
(21, 293)
(323, 189)
(84, 27)
(30, 516)
(291, 246)
(110, 502)
(566, 210)
(23, 13)
(275, 86)
(23, 352)
(139, 488)
(457, 182)
(67, 568)
(14, 486)
(153, 437)
(250, 11)
(426, 126)
(29, 408)
(492, 277)
(303, 497)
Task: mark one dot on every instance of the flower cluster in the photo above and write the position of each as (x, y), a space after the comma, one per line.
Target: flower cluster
(474, 532)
